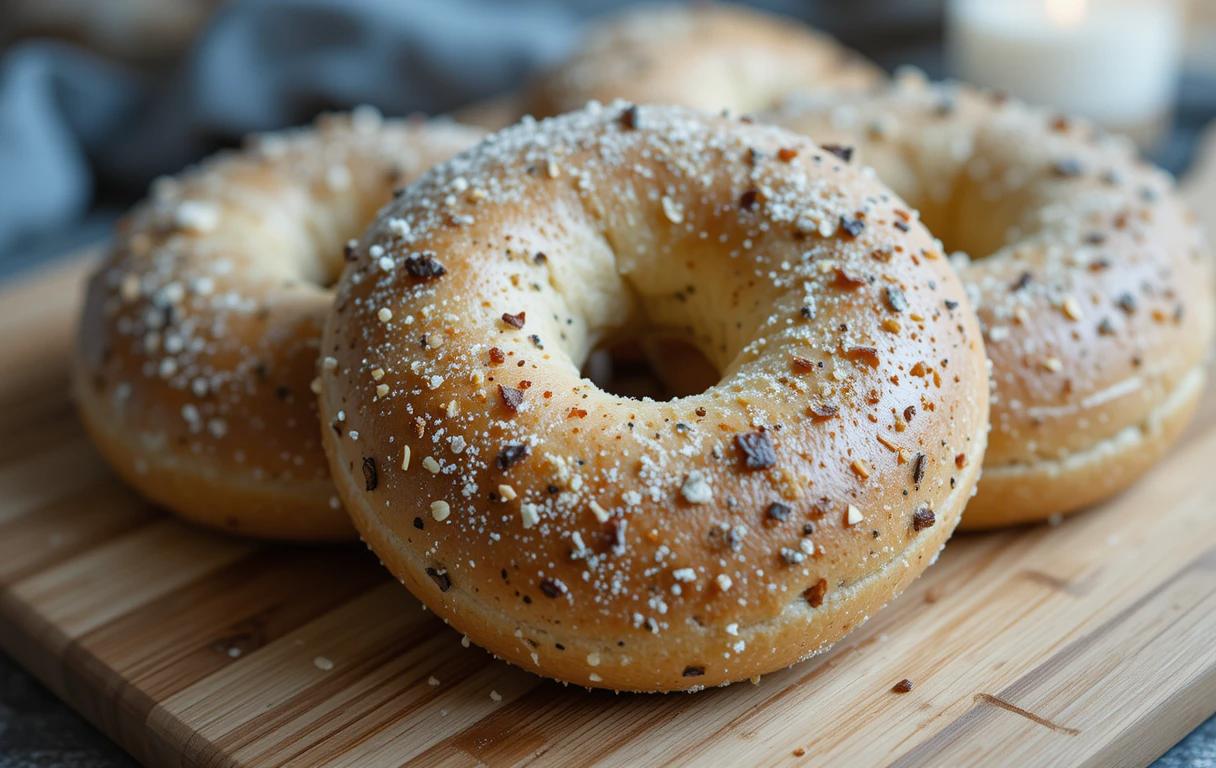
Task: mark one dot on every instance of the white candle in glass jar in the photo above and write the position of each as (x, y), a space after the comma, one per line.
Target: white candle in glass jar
(1114, 61)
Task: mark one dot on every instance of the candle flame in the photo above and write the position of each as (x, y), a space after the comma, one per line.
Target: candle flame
(1065, 13)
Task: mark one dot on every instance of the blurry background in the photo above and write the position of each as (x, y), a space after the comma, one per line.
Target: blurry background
(97, 97)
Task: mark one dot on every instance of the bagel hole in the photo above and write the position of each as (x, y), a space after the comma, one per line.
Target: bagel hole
(969, 220)
(660, 368)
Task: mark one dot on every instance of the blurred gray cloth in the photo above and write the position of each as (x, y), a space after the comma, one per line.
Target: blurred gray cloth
(79, 134)
(70, 121)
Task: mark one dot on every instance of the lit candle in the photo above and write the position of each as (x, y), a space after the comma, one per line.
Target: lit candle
(1114, 61)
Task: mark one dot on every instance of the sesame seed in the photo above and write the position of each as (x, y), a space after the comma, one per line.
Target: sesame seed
(384, 314)
(440, 510)
(600, 513)
(506, 492)
(1071, 308)
(405, 458)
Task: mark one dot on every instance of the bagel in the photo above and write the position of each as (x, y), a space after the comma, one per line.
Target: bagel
(1091, 278)
(198, 341)
(638, 544)
(706, 56)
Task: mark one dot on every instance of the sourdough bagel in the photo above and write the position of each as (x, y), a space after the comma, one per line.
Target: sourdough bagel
(635, 544)
(1091, 279)
(198, 340)
(702, 55)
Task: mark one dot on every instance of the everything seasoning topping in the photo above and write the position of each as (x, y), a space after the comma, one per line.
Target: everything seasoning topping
(756, 449)
(843, 152)
(786, 154)
(846, 279)
(1022, 282)
(553, 588)
(777, 512)
(852, 226)
(511, 454)
(896, 301)
(747, 200)
(815, 593)
(918, 463)
(903, 686)
(1066, 168)
(424, 265)
(370, 476)
(629, 117)
(923, 518)
(820, 409)
(512, 398)
(516, 320)
(863, 352)
(696, 488)
(440, 577)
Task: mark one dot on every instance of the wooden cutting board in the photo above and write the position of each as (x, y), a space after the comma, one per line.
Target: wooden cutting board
(1086, 643)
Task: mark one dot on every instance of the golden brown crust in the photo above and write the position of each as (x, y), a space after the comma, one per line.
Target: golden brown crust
(198, 341)
(706, 56)
(1091, 279)
(635, 544)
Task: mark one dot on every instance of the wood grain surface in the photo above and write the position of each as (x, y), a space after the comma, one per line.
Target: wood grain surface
(1085, 643)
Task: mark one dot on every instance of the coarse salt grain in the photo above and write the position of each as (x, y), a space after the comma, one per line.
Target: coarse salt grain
(696, 488)
(196, 216)
(854, 516)
(529, 514)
